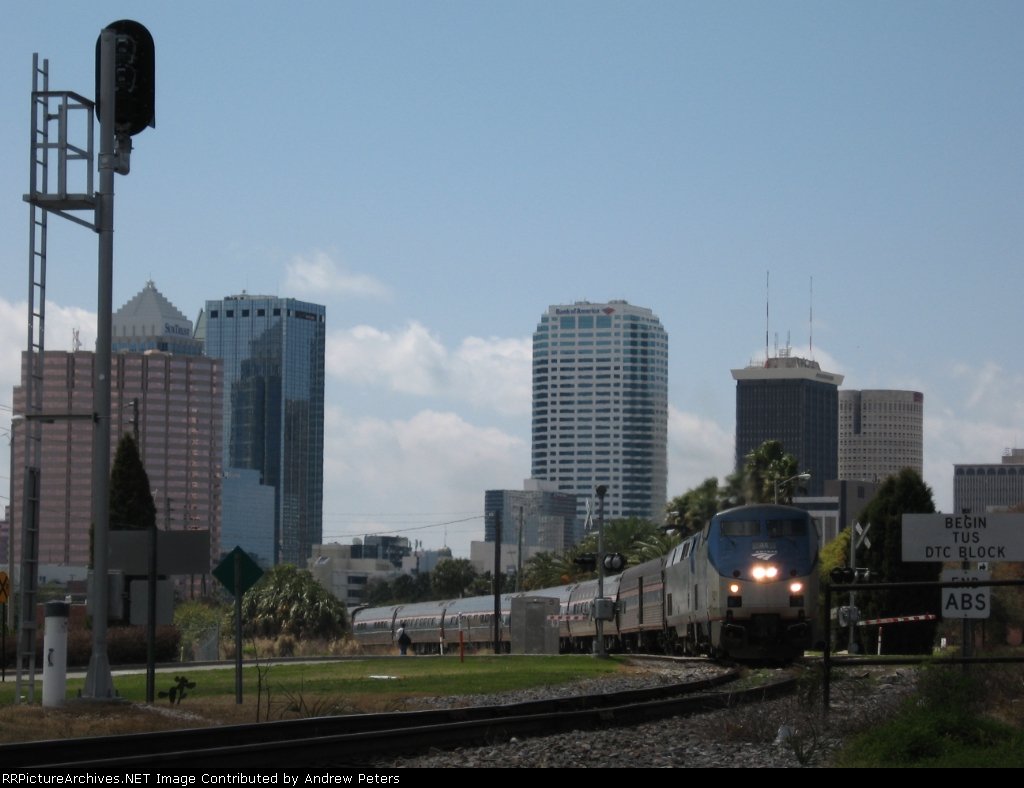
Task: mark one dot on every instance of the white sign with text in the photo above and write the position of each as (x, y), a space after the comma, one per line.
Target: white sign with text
(965, 537)
(965, 602)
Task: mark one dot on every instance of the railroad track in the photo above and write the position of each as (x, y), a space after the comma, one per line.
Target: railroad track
(358, 739)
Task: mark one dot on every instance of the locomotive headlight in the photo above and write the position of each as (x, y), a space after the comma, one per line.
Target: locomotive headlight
(771, 571)
(734, 589)
(758, 573)
(796, 588)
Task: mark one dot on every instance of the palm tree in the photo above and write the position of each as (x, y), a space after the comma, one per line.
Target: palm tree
(690, 511)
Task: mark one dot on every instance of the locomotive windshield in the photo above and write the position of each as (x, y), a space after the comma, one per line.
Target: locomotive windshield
(787, 528)
(741, 528)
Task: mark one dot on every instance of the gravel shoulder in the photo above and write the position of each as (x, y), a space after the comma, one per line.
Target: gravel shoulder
(785, 732)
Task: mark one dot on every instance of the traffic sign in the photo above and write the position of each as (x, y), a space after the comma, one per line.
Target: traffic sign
(965, 602)
(225, 571)
(950, 537)
(5, 587)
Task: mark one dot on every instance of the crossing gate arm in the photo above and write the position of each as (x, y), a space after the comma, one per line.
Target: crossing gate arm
(897, 620)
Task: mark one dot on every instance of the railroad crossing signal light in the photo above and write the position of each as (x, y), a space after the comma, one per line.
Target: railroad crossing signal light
(614, 562)
(846, 575)
(134, 75)
(586, 561)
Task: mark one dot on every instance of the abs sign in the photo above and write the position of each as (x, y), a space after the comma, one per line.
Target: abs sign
(965, 602)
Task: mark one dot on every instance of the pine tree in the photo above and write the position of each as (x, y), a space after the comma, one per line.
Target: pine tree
(904, 493)
(131, 500)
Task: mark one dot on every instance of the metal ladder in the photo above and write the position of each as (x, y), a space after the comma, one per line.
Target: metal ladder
(48, 107)
(39, 182)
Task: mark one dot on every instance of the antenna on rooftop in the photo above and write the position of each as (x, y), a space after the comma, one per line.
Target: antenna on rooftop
(812, 319)
(76, 342)
(767, 301)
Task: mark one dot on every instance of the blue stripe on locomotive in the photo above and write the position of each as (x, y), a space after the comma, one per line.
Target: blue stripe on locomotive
(739, 553)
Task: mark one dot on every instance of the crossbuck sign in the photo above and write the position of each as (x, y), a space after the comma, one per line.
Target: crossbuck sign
(951, 537)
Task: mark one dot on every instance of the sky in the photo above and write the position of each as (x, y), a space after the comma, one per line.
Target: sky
(438, 174)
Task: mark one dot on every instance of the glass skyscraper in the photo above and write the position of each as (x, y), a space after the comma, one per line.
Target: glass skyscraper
(273, 351)
(600, 405)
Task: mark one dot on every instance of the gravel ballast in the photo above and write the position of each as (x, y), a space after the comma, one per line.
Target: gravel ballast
(783, 732)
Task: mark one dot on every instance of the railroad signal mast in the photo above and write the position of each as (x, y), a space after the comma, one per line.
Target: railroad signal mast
(60, 162)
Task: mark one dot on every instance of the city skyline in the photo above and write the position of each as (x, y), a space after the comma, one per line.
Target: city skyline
(487, 161)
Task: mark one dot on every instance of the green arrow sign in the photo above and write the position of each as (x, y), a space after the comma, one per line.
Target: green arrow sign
(225, 571)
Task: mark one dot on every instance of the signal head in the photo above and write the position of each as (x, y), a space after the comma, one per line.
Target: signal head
(134, 76)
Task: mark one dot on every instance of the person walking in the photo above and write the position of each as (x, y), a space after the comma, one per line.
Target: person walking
(403, 639)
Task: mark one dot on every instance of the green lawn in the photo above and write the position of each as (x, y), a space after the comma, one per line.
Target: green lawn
(414, 676)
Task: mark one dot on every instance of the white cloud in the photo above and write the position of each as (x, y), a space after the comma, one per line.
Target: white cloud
(489, 373)
(317, 275)
(697, 448)
(433, 462)
(979, 415)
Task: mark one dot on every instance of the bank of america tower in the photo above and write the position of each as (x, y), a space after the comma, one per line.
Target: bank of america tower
(600, 405)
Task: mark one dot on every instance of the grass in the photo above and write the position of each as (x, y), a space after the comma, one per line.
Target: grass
(296, 690)
(945, 724)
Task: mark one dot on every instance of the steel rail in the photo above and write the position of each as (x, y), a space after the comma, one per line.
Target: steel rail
(358, 738)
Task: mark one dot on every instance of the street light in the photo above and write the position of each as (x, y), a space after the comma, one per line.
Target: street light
(803, 477)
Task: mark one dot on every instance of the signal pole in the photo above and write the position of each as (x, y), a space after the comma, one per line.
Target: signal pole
(98, 681)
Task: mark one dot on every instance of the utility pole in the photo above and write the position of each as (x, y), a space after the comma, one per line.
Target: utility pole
(599, 640)
(496, 582)
(519, 563)
(966, 634)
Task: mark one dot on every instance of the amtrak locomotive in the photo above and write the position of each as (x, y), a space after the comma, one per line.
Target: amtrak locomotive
(745, 587)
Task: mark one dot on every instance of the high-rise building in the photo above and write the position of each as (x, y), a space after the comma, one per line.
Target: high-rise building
(791, 400)
(880, 433)
(151, 322)
(536, 516)
(841, 505)
(979, 487)
(179, 427)
(273, 351)
(600, 405)
(247, 515)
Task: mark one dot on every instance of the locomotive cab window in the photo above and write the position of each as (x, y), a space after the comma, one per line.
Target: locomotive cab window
(742, 527)
(787, 528)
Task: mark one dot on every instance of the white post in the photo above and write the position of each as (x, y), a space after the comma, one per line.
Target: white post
(55, 654)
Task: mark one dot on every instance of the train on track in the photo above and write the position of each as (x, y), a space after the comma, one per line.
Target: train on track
(743, 588)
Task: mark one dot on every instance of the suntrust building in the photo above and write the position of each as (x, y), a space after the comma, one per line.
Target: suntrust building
(600, 405)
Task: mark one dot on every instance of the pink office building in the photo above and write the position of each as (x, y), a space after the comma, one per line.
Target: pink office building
(180, 405)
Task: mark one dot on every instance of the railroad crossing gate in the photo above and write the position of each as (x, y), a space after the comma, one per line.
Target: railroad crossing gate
(951, 537)
(965, 602)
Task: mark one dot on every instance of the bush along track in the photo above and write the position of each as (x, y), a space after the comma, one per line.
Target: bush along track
(944, 724)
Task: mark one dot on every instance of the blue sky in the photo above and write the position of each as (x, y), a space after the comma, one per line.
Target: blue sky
(438, 174)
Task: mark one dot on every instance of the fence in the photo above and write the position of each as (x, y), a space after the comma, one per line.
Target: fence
(828, 660)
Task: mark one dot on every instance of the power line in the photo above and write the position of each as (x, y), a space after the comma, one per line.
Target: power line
(397, 514)
(421, 527)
